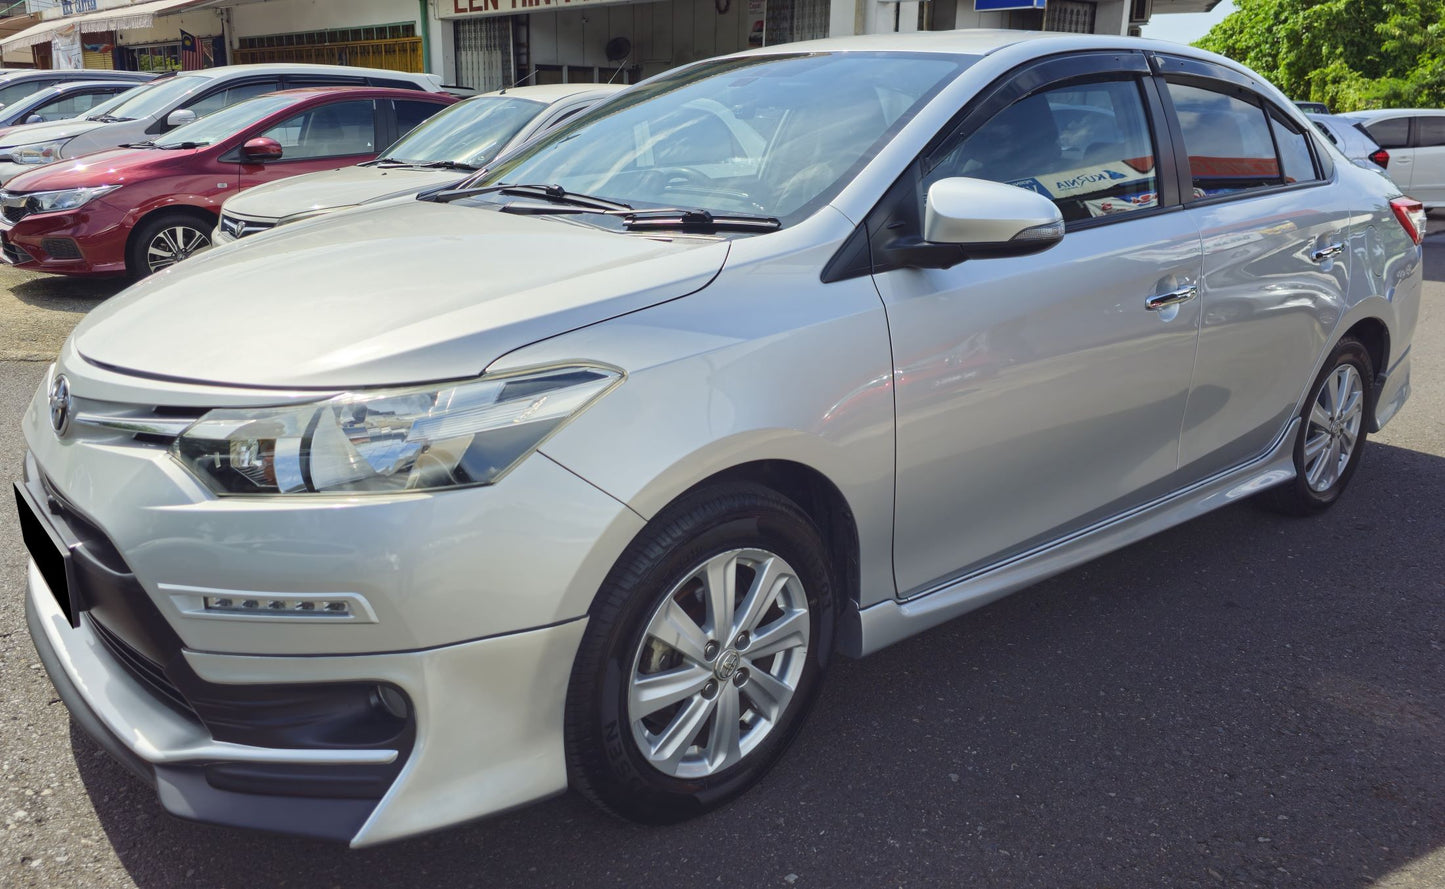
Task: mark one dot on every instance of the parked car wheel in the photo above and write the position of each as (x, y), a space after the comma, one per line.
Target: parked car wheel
(165, 240)
(1332, 433)
(705, 649)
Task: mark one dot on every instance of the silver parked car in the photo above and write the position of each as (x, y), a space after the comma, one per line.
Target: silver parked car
(1353, 141)
(441, 150)
(580, 473)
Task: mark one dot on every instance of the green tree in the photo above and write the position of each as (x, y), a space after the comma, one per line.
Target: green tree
(1349, 54)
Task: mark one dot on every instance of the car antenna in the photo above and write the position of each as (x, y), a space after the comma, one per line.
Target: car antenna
(620, 68)
(503, 90)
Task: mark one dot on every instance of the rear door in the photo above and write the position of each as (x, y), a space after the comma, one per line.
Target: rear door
(1393, 134)
(323, 137)
(1276, 260)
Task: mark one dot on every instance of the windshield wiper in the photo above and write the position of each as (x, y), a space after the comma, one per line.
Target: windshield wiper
(149, 143)
(698, 221)
(551, 193)
(445, 165)
(109, 118)
(181, 146)
(382, 160)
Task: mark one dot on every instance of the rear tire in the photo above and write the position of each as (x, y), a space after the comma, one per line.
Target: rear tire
(164, 240)
(722, 610)
(1332, 434)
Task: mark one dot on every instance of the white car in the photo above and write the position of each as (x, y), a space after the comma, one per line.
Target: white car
(172, 100)
(581, 472)
(443, 149)
(1415, 140)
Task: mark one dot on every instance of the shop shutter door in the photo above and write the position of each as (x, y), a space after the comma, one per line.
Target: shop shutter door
(484, 53)
(789, 21)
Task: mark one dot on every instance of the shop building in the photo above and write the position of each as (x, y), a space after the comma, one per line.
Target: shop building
(487, 44)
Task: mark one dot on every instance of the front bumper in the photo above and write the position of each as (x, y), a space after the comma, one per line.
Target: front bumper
(476, 601)
(480, 747)
(89, 241)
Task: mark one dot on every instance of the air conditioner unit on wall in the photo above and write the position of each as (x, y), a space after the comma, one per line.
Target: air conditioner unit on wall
(1139, 11)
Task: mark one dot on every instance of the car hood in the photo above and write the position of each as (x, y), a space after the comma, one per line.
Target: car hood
(386, 295)
(29, 134)
(331, 189)
(115, 166)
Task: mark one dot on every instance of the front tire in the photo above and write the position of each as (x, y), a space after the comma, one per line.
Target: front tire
(704, 651)
(1332, 434)
(166, 239)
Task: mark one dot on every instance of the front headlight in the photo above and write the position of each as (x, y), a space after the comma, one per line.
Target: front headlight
(68, 199)
(384, 442)
(39, 152)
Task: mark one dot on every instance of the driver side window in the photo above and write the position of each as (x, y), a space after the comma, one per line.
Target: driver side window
(1086, 147)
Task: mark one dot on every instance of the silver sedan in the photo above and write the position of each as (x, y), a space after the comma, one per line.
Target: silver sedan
(579, 473)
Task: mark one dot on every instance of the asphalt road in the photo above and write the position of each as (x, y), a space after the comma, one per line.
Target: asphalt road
(1245, 701)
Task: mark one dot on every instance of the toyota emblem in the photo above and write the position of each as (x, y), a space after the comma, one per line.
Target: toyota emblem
(60, 405)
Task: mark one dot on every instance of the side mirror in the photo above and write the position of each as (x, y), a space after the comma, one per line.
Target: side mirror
(180, 117)
(261, 149)
(35, 118)
(974, 219)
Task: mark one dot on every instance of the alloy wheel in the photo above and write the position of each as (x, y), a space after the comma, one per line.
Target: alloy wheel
(1334, 427)
(173, 244)
(718, 663)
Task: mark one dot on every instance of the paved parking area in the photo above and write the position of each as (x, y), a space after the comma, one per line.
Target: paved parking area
(38, 311)
(1246, 701)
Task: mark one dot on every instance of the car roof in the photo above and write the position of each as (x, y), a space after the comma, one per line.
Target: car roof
(1374, 113)
(19, 74)
(982, 42)
(555, 92)
(303, 68)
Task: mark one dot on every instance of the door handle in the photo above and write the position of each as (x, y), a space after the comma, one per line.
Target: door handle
(1172, 298)
(1329, 252)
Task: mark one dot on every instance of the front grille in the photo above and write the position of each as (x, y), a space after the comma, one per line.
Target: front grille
(60, 248)
(17, 255)
(142, 668)
(237, 227)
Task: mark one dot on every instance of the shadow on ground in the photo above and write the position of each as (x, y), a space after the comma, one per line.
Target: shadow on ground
(64, 294)
(1246, 700)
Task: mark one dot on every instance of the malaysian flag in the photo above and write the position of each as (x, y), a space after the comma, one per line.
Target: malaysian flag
(192, 58)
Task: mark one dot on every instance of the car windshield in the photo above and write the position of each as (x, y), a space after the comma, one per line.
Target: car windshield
(109, 105)
(773, 135)
(225, 123)
(160, 96)
(469, 132)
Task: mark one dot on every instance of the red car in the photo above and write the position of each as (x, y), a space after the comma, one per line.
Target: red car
(143, 208)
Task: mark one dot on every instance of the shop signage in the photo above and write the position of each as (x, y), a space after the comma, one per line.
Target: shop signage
(450, 9)
(72, 7)
(997, 5)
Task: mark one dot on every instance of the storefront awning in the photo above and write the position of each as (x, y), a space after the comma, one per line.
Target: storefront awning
(134, 16)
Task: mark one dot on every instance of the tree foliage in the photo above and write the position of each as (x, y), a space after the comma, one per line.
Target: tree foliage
(1349, 54)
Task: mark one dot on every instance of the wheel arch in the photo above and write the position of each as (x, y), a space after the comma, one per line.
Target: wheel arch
(1372, 333)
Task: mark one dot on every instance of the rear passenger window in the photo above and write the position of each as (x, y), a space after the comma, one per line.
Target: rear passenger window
(1085, 147)
(1228, 141)
(1294, 152)
(1430, 131)
(337, 130)
(1393, 132)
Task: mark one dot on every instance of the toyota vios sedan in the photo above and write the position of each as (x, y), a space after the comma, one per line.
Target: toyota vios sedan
(581, 473)
(143, 208)
(442, 150)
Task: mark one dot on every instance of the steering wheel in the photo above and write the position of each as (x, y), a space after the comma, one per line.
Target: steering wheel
(688, 176)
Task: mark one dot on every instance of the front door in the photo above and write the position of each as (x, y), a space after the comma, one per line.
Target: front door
(321, 138)
(1039, 394)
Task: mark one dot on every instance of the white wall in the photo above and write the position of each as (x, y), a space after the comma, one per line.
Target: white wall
(663, 34)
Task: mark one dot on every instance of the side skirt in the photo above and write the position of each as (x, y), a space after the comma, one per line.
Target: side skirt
(879, 626)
